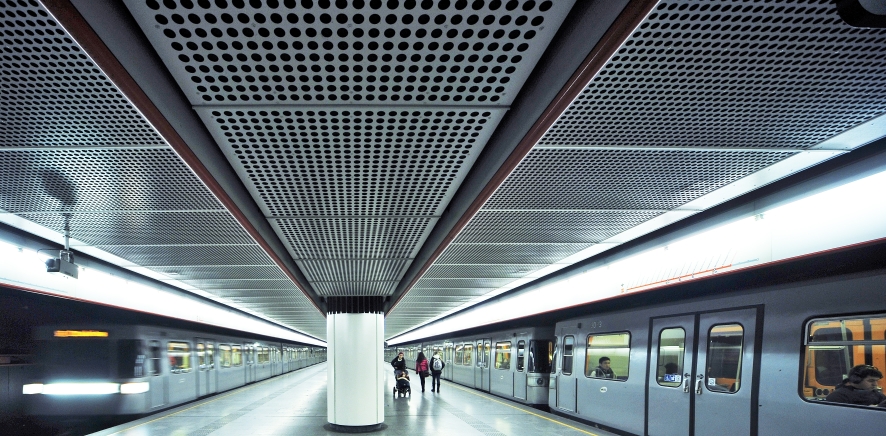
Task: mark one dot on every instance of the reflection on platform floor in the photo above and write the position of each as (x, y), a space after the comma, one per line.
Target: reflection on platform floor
(295, 404)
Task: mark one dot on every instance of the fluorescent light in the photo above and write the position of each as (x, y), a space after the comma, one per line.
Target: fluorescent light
(135, 388)
(31, 389)
(81, 388)
(25, 268)
(839, 217)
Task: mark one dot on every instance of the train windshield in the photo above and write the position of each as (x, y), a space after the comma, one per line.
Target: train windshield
(539, 356)
(75, 358)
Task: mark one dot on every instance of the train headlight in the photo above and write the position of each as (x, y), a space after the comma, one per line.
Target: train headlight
(135, 388)
(81, 388)
(31, 389)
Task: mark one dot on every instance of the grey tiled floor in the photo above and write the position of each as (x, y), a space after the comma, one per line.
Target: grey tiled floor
(295, 404)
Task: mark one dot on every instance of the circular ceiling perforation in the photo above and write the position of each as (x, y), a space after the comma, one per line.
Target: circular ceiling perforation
(351, 162)
(99, 179)
(731, 74)
(516, 226)
(53, 95)
(347, 238)
(412, 52)
(623, 179)
(148, 228)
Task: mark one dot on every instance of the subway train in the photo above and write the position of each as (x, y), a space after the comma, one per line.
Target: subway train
(759, 362)
(112, 370)
(514, 364)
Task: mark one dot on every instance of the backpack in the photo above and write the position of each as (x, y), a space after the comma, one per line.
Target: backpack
(438, 365)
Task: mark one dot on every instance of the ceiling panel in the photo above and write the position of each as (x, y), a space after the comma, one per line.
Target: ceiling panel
(509, 253)
(225, 272)
(190, 255)
(344, 238)
(37, 180)
(755, 74)
(623, 179)
(315, 160)
(462, 283)
(552, 226)
(148, 228)
(354, 288)
(350, 52)
(440, 270)
(353, 270)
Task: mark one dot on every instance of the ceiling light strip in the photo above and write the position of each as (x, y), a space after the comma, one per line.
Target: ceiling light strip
(73, 22)
(622, 28)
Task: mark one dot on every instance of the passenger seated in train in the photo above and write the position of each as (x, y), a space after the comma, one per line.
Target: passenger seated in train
(860, 388)
(603, 370)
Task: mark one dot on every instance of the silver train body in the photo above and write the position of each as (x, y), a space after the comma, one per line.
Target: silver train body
(134, 369)
(514, 364)
(756, 363)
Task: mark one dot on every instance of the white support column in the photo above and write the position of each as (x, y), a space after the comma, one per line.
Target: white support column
(356, 381)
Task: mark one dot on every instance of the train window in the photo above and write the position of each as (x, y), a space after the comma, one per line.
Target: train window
(459, 354)
(835, 345)
(502, 355)
(568, 347)
(614, 347)
(236, 355)
(521, 351)
(130, 358)
(224, 355)
(264, 354)
(725, 344)
(540, 356)
(154, 360)
(210, 357)
(671, 344)
(469, 354)
(201, 356)
(179, 357)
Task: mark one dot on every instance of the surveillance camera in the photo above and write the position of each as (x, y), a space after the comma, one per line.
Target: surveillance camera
(64, 266)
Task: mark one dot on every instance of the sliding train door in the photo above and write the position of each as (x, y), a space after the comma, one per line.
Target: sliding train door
(700, 373)
(207, 375)
(481, 369)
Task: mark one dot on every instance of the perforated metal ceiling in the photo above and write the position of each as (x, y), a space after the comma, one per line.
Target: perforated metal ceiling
(353, 124)
(700, 95)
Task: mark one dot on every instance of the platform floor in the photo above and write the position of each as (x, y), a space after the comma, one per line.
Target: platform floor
(295, 404)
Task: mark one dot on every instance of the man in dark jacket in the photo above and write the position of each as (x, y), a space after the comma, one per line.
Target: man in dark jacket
(603, 370)
(399, 364)
(860, 388)
(436, 362)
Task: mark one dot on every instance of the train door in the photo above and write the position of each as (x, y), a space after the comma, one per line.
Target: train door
(157, 387)
(249, 365)
(207, 382)
(448, 359)
(520, 371)
(566, 380)
(481, 366)
(700, 374)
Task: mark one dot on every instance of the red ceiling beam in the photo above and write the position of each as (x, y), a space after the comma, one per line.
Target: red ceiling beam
(74, 23)
(629, 19)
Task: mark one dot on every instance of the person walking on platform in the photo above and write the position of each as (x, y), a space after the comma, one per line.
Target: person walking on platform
(436, 370)
(421, 368)
(399, 364)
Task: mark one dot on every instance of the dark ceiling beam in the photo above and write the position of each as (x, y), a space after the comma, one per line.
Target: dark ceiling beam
(527, 121)
(109, 35)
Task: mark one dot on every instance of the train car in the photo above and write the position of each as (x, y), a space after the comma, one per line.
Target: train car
(111, 370)
(762, 362)
(513, 364)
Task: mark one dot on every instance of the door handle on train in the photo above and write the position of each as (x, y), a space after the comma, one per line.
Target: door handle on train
(698, 384)
(686, 378)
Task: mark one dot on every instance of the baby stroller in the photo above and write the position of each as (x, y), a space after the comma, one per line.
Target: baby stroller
(402, 387)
